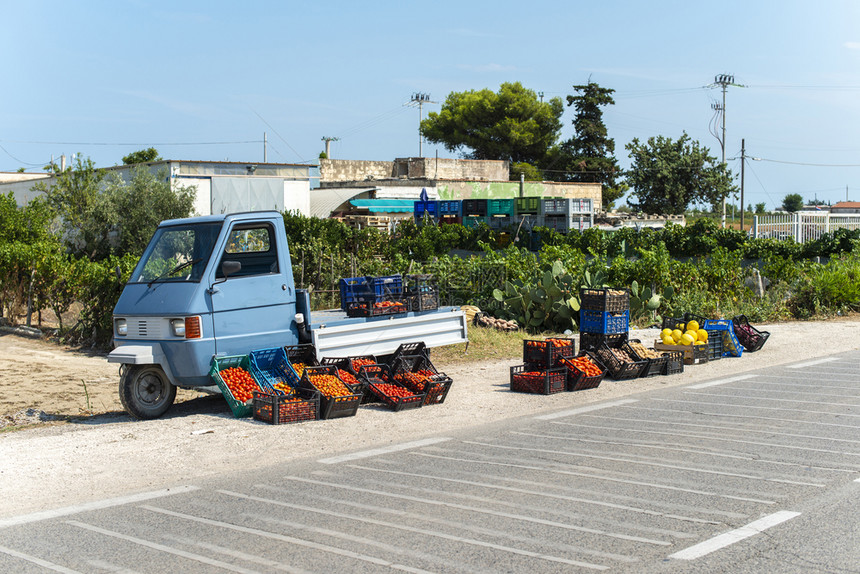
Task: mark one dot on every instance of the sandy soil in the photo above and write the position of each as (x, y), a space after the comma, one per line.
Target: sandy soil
(99, 452)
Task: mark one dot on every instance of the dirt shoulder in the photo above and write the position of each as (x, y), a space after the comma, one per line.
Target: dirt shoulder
(101, 452)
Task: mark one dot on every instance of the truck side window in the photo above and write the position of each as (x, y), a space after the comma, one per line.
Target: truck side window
(254, 247)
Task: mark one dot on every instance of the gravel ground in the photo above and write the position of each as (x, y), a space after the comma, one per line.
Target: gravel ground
(106, 455)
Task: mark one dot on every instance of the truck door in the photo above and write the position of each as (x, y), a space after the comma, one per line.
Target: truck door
(253, 308)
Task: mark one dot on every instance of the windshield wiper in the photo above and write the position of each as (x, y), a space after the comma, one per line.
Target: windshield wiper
(176, 269)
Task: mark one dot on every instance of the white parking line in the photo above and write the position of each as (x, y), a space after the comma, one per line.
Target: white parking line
(383, 450)
(97, 505)
(38, 561)
(722, 381)
(812, 363)
(588, 409)
(733, 536)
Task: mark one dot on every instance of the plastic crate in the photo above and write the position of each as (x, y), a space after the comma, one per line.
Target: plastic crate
(431, 208)
(379, 377)
(450, 220)
(604, 322)
(301, 356)
(474, 207)
(608, 300)
(386, 285)
(656, 365)
(422, 292)
(547, 353)
(731, 346)
(577, 380)
(417, 373)
(278, 409)
(240, 409)
(379, 307)
(673, 322)
(751, 338)
(331, 407)
(581, 205)
(272, 367)
(524, 205)
(474, 220)
(354, 289)
(498, 222)
(715, 344)
(532, 379)
(452, 207)
(555, 206)
(674, 363)
(413, 349)
(500, 207)
(619, 369)
(593, 341)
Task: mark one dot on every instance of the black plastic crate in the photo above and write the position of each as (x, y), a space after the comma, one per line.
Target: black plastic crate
(475, 207)
(577, 379)
(332, 405)
(278, 409)
(418, 373)
(715, 345)
(301, 356)
(422, 293)
(656, 365)
(381, 385)
(674, 363)
(609, 300)
(673, 322)
(593, 341)
(751, 338)
(547, 352)
(378, 306)
(618, 368)
(530, 378)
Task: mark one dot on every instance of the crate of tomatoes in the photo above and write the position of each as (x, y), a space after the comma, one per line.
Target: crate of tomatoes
(301, 356)
(548, 352)
(538, 380)
(279, 407)
(393, 394)
(233, 377)
(337, 399)
(584, 371)
(418, 374)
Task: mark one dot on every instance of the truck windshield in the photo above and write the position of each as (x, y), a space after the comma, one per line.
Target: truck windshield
(178, 253)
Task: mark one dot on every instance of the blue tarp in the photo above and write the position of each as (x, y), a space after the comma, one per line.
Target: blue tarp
(385, 205)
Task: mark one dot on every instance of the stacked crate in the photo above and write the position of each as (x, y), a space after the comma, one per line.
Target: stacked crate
(604, 318)
(500, 213)
(565, 214)
(474, 212)
(543, 371)
(526, 211)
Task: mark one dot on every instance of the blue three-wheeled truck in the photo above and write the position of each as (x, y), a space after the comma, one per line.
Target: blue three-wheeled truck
(222, 285)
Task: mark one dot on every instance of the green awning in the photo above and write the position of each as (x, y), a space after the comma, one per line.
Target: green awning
(385, 205)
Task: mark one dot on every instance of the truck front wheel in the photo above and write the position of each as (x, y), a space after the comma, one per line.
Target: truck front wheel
(145, 391)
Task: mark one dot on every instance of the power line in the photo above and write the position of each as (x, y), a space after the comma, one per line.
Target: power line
(809, 164)
(128, 143)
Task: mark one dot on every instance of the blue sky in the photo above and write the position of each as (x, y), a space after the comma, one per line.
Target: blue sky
(205, 80)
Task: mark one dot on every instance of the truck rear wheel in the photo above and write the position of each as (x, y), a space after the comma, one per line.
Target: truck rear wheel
(145, 391)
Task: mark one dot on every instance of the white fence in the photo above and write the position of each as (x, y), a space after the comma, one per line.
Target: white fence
(802, 227)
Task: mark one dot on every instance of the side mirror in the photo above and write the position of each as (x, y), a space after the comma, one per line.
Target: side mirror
(230, 268)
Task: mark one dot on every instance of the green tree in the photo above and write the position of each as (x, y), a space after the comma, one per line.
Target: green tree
(530, 172)
(667, 176)
(73, 194)
(141, 156)
(512, 124)
(792, 202)
(759, 208)
(589, 155)
(132, 210)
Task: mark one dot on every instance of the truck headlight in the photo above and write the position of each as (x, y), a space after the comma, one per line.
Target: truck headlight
(178, 327)
(120, 327)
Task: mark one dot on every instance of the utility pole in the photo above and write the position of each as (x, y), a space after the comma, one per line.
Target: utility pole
(723, 81)
(743, 160)
(328, 141)
(265, 143)
(420, 99)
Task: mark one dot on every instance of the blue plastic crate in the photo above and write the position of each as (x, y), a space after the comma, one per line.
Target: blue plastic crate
(272, 366)
(451, 207)
(603, 322)
(353, 290)
(391, 285)
(431, 208)
(731, 346)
